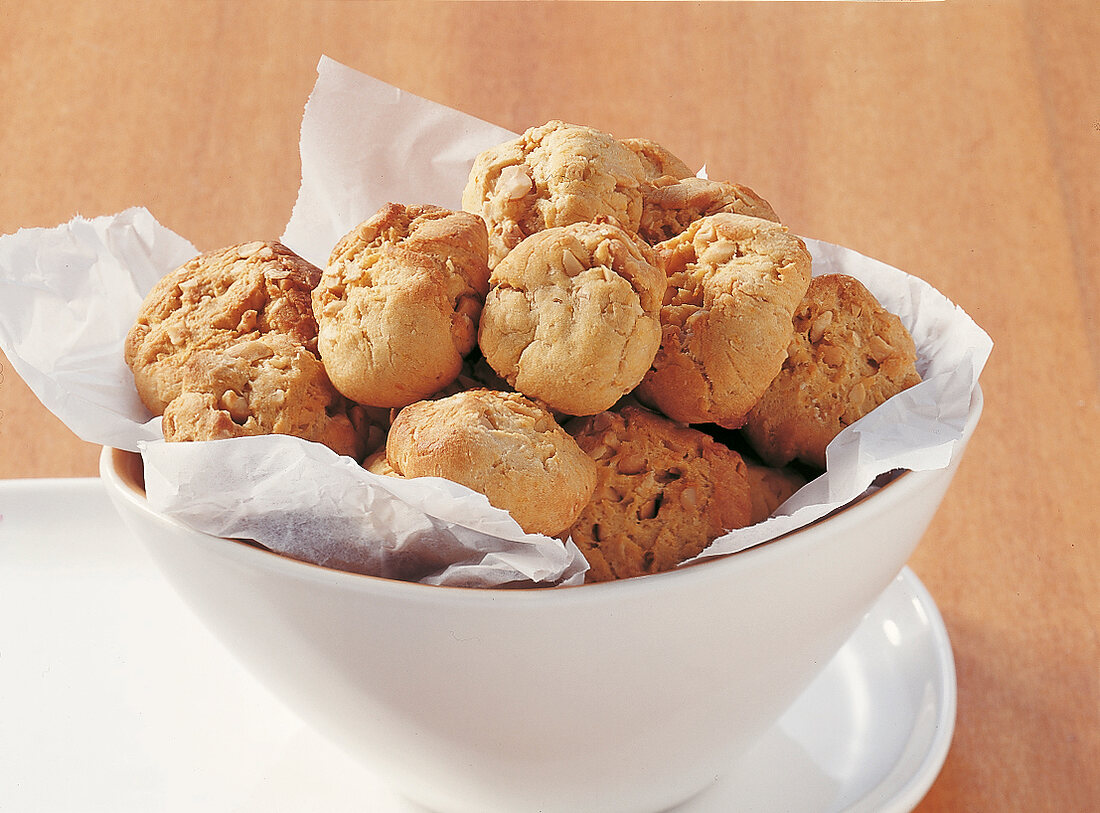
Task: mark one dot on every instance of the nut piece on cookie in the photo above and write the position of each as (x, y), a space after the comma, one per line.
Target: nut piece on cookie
(664, 492)
(848, 355)
(553, 175)
(734, 282)
(572, 316)
(398, 304)
(501, 444)
(215, 301)
(267, 385)
(667, 210)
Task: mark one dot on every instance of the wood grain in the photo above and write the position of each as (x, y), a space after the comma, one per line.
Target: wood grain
(956, 140)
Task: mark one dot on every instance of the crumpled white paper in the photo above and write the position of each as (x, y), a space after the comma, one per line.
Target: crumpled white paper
(304, 500)
(364, 144)
(66, 295)
(69, 295)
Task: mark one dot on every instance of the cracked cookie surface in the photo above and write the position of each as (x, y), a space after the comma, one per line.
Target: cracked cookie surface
(572, 316)
(399, 301)
(502, 445)
(663, 493)
(734, 282)
(553, 175)
(847, 356)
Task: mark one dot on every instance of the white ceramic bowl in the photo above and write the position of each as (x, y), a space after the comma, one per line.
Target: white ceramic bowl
(623, 696)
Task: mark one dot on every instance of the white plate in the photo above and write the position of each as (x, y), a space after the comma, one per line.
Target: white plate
(114, 698)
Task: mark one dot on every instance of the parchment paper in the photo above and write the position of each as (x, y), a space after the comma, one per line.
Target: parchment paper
(69, 295)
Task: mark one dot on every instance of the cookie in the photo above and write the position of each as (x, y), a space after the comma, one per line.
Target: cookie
(553, 175)
(669, 208)
(848, 355)
(399, 301)
(769, 488)
(215, 301)
(663, 493)
(734, 282)
(502, 445)
(572, 316)
(267, 385)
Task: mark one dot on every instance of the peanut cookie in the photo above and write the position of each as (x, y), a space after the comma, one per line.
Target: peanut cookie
(664, 492)
(213, 302)
(572, 316)
(267, 385)
(501, 444)
(847, 356)
(398, 305)
(733, 284)
(553, 175)
(668, 209)
(770, 488)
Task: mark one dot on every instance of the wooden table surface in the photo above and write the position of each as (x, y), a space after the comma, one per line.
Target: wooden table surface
(957, 141)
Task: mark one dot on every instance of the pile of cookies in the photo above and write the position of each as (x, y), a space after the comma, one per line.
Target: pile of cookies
(603, 344)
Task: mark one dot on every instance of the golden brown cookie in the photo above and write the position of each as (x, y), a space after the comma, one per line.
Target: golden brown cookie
(669, 208)
(213, 302)
(398, 304)
(572, 316)
(848, 355)
(733, 284)
(770, 487)
(501, 444)
(664, 492)
(553, 175)
(267, 385)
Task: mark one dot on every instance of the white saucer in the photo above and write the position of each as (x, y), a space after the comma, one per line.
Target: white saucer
(115, 698)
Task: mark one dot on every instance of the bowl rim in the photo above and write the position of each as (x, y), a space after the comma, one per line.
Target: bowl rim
(120, 472)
